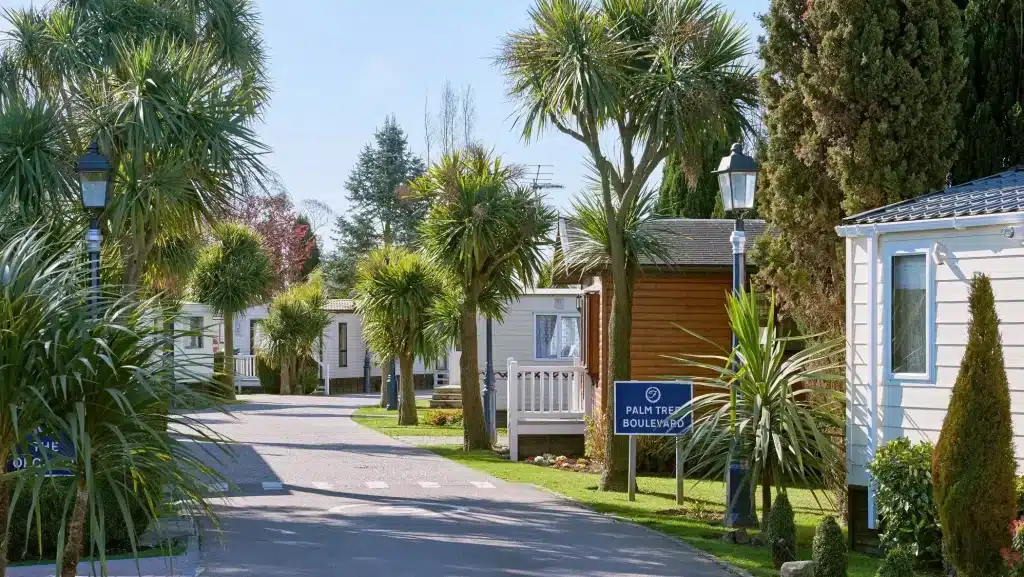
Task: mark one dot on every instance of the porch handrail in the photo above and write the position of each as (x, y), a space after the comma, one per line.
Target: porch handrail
(545, 392)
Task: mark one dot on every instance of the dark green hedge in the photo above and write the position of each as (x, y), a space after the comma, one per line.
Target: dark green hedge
(25, 545)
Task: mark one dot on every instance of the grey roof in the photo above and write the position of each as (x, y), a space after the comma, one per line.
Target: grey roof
(999, 193)
(340, 305)
(688, 242)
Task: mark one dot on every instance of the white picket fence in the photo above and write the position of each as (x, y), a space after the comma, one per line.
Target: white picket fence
(245, 368)
(546, 401)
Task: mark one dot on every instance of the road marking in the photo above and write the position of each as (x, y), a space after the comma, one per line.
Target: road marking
(322, 486)
(429, 485)
(273, 486)
(218, 487)
(376, 485)
(482, 485)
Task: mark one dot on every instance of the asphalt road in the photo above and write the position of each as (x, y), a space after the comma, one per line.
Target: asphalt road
(319, 495)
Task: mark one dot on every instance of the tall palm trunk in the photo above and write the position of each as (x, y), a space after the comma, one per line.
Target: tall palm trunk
(286, 374)
(229, 352)
(75, 531)
(766, 496)
(615, 476)
(407, 400)
(385, 376)
(475, 433)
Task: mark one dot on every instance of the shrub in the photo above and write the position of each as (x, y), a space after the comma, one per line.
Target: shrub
(444, 418)
(1019, 485)
(594, 438)
(218, 362)
(1014, 556)
(829, 549)
(781, 531)
(903, 495)
(24, 545)
(270, 379)
(898, 562)
(973, 467)
(308, 377)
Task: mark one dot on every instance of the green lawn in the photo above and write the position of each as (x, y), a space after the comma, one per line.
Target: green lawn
(386, 422)
(655, 507)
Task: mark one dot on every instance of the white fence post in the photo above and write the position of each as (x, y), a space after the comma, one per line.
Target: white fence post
(512, 395)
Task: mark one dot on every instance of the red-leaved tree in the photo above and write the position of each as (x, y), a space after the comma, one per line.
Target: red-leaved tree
(286, 240)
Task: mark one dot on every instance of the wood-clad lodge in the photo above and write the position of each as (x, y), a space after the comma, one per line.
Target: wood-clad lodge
(687, 290)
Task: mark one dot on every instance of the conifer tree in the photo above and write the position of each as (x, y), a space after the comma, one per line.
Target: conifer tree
(861, 100)
(973, 466)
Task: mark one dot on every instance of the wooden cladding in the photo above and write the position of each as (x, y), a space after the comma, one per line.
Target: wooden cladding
(662, 303)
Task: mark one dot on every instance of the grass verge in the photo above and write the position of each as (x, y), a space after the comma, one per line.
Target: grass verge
(655, 507)
(385, 421)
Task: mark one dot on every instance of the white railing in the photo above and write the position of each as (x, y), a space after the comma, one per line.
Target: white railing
(245, 366)
(548, 396)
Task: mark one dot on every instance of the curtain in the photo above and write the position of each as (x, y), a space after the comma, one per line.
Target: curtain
(570, 337)
(547, 344)
(909, 318)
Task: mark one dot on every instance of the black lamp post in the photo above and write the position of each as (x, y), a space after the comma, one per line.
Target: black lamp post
(94, 176)
(737, 182)
(490, 398)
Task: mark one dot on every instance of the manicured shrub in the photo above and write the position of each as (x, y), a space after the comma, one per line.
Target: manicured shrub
(781, 531)
(973, 467)
(898, 562)
(829, 549)
(308, 378)
(444, 418)
(1014, 556)
(903, 495)
(24, 544)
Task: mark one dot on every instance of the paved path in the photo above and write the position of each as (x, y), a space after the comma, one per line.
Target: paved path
(355, 502)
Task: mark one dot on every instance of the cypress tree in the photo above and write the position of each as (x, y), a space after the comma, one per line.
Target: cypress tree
(992, 121)
(829, 549)
(691, 191)
(861, 99)
(781, 529)
(673, 189)
(973, 466)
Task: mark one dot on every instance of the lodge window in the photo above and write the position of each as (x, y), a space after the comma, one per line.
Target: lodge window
(342, 344)
(195, 329)
(556, 336)
(909, 319)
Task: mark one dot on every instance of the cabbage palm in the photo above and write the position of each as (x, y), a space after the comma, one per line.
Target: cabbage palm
(170, 90)
(786, 427)
(395, 293)
(294, 325)
(658, 76)
(486, 230)
(232, 274)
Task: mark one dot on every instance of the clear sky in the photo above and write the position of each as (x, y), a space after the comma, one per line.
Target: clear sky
(340, 66)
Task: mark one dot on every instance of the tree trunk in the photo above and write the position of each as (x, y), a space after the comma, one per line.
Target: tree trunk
(766, 500)
(286, 375)
(229, 353)
(407, 398)
(76, 532)
(620, 328)
(385, 376)
(475, 433)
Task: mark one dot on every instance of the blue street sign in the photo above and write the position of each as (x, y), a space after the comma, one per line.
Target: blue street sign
(649, 407)
(52, 447)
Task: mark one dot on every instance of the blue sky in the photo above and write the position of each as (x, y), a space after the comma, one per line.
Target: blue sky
(340, 66)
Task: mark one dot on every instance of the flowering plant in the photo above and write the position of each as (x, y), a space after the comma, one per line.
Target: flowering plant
(1013, 556)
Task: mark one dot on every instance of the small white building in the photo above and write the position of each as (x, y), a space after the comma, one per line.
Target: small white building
(193, 353)
(908, 270)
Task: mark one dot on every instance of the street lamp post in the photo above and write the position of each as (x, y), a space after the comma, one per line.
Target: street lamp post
(490, 407)
(392, 385)
(94, 177)
(366, 372)
(737, 182)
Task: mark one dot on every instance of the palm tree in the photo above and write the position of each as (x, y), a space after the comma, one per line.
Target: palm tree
(486, 230)
(784, 426)
(294, 325)
(232, 274)
(659, 75)
(395, 292)
(170, 90)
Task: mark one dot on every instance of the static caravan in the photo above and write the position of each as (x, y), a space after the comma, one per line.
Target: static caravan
(908, 269)
(193, 354)
(342, 355)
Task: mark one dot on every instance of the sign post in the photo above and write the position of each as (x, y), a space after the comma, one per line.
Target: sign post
(651, 408)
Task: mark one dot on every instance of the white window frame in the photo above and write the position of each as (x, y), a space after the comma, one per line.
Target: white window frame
(342, 345)
(195, 341)
(559, 315)
(889, 251)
